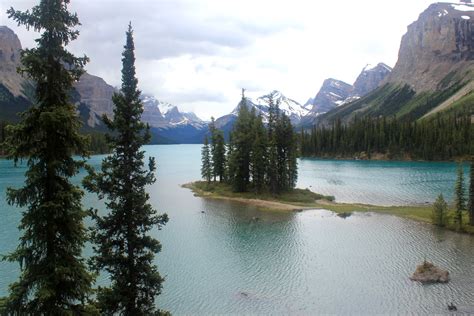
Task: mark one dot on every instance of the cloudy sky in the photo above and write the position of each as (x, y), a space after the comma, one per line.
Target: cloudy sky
(198, 54)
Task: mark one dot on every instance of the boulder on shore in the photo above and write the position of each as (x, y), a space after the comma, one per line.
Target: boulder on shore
(429, 273)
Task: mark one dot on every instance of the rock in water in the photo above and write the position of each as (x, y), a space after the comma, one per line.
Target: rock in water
(429, 273)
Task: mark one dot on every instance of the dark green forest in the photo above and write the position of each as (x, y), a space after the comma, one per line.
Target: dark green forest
(440, 138)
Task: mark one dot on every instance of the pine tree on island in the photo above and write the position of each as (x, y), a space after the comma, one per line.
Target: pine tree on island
(123, 245)
(258, 158)
(259, 155)
(218, 155)
(53, 279)
(206, 164)
(459, 198)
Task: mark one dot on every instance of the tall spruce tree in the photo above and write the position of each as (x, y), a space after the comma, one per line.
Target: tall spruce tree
(123, 246)
(272, 167)
(218, 154)
(212, 143)
(459, 198)
(242, 144)
(206, 165)
(53, 279)
(259, 155)
(471, 194)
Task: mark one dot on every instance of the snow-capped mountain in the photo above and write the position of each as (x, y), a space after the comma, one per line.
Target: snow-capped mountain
(165, 115)
(369, 79)
(334, 93)
(294, 110)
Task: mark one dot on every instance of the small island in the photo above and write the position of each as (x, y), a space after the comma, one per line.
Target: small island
(295, 200)
(429, 273)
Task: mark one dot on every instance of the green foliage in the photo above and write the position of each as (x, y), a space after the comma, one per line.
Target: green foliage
(440, 138)
(259, 155)
(295, 196)
(11, 105)
(400, 101)
(98, 143)
(459, 198)
(440, 209)
(471, 194)
(54, 279)
(241, 144)
(258, 159)
(206, 167)
(124, 249)
(3, 137)
(218, 154)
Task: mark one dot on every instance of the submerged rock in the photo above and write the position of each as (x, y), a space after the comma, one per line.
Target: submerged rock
(429, 273)
(344, 214)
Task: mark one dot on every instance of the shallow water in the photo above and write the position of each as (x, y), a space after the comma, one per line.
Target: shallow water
(221, 261)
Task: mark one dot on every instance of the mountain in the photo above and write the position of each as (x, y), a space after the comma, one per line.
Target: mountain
(9, 61)
(334, 93)
(290, 107)
(294, 110)
(370, 79)
(434, 71)
(170, 125)
(92, 96)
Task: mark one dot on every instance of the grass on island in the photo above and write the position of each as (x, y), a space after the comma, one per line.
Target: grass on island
(298, 199)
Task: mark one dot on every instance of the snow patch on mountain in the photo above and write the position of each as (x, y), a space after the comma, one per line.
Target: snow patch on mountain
(164, 115)
(463, 7)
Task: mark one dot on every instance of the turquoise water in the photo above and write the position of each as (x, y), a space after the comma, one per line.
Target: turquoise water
(221, 262)
(379, 182)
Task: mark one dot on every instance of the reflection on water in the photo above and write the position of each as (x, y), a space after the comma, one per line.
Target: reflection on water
(221, 257)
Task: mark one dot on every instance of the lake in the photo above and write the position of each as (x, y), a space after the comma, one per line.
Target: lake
(221, 262)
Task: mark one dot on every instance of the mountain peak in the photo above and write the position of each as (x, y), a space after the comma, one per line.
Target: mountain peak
(378, 67)
(370, 78)
(438, 43)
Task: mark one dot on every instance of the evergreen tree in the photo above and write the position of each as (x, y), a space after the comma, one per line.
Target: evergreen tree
(241, 142)
(440, 208)
(230, 166)
(259, 155)
(212, 131)
(123, 246)
(206, 167)
(459, 199)
(439, 138)
(272, 166)
(218, 155)
(471, 194)
(53, 279)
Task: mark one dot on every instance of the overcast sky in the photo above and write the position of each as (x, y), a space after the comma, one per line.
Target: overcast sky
(198, 54)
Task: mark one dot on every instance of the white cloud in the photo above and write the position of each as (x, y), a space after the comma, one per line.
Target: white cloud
(198, 54)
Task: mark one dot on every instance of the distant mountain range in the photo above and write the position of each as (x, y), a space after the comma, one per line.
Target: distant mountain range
(433, 74)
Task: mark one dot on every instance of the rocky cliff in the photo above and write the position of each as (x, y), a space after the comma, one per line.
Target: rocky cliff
(370, 79)
(434, 72)
(96, 94)
(333, 92)
(10, 47)
(439, 43)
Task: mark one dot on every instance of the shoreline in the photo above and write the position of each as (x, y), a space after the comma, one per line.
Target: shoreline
(218, 191)
(383, 157)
